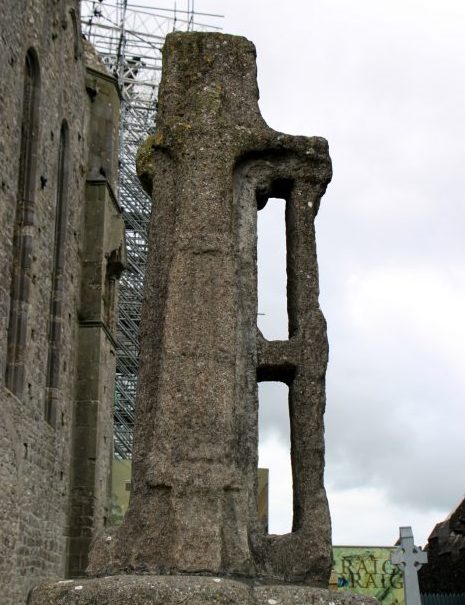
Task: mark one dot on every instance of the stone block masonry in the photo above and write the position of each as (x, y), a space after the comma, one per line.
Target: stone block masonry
(58, 145)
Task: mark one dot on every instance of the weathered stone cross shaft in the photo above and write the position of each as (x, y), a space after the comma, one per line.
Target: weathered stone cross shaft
(212, 162)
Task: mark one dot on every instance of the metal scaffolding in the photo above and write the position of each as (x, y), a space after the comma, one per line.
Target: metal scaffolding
(129, 37)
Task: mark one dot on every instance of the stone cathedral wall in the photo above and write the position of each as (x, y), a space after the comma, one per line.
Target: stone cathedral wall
(56, 429)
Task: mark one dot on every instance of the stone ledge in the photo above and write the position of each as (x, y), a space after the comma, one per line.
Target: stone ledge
(191, 590)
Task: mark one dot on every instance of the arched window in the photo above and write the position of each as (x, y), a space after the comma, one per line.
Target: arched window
(23, 228)
(56, 303)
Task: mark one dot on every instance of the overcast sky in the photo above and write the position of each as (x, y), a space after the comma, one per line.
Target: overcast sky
(384, 82)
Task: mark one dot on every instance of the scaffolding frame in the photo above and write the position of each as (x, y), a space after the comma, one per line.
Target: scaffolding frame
(128, 37)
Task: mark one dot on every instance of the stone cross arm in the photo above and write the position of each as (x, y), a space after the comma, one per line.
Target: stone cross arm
(408, 555)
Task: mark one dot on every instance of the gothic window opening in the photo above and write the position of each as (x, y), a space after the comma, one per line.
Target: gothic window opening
(58, 285)
(23, 229)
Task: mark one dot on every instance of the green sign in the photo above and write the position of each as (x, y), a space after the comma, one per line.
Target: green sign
(367, 570)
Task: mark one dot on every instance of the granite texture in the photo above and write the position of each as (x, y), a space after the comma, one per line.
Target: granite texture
(192, 590)
(210, 165)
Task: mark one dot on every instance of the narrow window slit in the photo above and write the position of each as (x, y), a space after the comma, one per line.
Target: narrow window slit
(272, 317)
(274, 447)
(58, 285)
(24, 221)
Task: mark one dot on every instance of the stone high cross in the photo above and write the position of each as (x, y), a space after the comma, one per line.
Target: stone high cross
(410, 559)
(193, 511)
(210, 165)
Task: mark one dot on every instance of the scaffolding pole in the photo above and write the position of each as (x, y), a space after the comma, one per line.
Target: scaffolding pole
(128, 38)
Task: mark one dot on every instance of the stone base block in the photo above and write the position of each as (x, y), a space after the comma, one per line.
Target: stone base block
(191, 590)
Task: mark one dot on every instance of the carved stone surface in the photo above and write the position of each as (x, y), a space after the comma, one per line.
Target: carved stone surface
(169, 590)
(211, 164)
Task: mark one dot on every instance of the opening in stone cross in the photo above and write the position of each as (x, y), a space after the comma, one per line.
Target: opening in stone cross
(410, 558)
